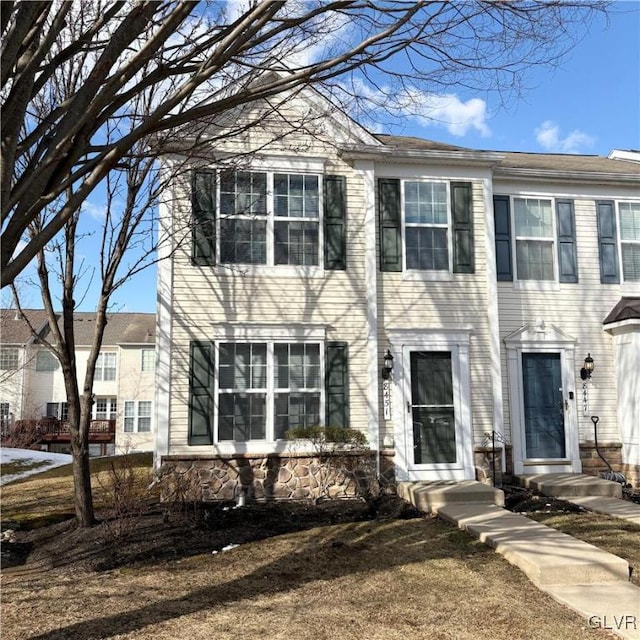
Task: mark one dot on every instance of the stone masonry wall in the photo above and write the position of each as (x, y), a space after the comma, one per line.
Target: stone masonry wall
(274, 476)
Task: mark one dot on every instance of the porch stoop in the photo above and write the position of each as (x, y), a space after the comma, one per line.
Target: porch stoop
(431, 496)
(570, 484)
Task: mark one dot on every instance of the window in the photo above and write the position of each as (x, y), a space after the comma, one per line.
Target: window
(106, 367)
(297, 387)
(105, 409)
(271, 219)
(5, 418)
(543, 231)
(46, 361)
(148, 360)
(426, 225)
(534, 235)
(137, 416)
(629, 215)
(8, 358)
(57, 410)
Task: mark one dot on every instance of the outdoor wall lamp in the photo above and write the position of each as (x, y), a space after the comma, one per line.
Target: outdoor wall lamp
(587, 370)
(387, 365)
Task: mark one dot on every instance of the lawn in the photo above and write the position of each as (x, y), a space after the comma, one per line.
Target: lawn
(378, 574)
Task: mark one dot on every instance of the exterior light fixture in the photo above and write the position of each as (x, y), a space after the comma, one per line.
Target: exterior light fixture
(387, 365)
(587, 370)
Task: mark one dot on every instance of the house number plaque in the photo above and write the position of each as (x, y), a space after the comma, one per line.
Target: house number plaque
(386, 399)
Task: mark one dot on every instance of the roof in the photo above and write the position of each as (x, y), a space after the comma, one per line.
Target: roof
(626, 309)
(14, 330)
(521, 163)
(122, 328)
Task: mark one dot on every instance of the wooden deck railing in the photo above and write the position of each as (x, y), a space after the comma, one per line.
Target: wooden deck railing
(54, 430)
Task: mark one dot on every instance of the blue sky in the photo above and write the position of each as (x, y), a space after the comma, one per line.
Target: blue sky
(590, 104)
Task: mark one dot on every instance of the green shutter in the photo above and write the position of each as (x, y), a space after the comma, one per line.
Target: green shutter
(608, 242)
(201, 399)
(567, 249)
(502, 227)
(462, 217)
(337, 384)
(335, 210)
(203, 206)
(390, 224)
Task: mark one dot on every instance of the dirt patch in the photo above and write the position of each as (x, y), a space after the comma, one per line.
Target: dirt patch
(521, 500)
(168, 534)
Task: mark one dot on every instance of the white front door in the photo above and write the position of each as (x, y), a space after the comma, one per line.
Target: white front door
(432, 410)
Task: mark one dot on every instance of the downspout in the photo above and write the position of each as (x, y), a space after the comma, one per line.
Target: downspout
(366, 169)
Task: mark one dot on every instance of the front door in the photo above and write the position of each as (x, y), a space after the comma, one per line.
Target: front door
(543, 399)
(432, 409)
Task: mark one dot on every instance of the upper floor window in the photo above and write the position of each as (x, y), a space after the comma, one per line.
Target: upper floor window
(106, 367)
(629, 215)
(535, 238)
(270, 219)
(426, 226)
(9, 358)
(538, 236)
(148, 360)
(46, 361)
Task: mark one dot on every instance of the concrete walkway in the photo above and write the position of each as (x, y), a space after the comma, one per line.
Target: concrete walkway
(588, 580)
(614, 507)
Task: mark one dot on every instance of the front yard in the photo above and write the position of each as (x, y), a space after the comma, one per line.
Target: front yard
(336, 570)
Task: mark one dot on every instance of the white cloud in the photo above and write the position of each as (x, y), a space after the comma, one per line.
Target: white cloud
(95, 211)
(448, 111)
(549, 138)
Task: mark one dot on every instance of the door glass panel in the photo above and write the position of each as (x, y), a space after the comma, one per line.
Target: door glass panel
(434, 436)
(543, 406)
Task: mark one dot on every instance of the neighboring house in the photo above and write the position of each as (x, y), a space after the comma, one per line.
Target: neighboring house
(32, 385)
(489, 277)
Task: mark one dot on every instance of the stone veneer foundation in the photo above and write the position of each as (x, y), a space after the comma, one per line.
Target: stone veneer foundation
(282, 476)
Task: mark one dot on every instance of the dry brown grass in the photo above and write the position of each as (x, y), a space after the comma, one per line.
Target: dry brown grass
(399, 579)
(611, 534)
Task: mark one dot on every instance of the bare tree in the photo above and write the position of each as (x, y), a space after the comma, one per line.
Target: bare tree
(205, 57)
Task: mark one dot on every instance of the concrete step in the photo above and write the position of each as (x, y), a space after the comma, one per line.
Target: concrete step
(623, 509)
(570, 484)
(546, 556)
(431, 496)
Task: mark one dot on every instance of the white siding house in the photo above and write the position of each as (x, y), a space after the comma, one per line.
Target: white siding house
(123, 390)
(485, 275)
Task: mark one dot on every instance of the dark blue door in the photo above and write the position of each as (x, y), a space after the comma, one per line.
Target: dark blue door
(543, 406)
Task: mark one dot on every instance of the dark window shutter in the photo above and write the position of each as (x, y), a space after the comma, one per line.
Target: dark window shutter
(335, 209)
(203, 205)
(337, 384)
(201, 400)
(567, 248)
(462, 216)
(608, 242)
(502, 226)
(390, 224)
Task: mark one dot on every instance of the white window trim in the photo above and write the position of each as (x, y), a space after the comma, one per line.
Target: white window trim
(142, 352)
(628, 286)
(136, 416)
(100, 367)
(270, 268)
(293, 333)
(534, 285)
(426, 274)
(112, 408)
(9, 349)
